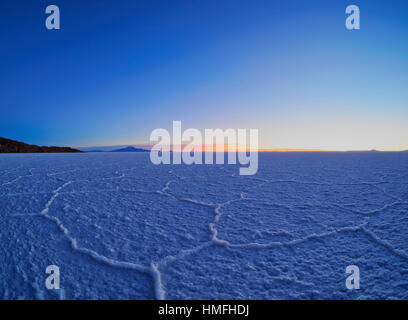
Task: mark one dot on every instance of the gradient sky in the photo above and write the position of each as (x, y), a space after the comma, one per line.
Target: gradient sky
(119, 69)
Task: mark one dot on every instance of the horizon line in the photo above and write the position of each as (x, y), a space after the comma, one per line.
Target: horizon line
(234, 148)
(213, 149)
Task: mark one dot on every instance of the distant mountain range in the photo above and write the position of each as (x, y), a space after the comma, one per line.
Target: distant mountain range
(130, 149)
(124, 149)
(117, 148)
(11, 146)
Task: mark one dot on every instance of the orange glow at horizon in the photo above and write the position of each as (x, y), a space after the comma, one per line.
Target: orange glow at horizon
(242, 148)
(238, 148)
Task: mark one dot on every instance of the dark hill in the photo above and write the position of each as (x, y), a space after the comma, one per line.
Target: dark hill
(11, 146)
(130, 149)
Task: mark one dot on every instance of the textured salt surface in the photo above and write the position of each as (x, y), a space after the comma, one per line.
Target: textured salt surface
(121, 228)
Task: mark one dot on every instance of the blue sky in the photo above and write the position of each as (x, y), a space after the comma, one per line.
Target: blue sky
(116, 70)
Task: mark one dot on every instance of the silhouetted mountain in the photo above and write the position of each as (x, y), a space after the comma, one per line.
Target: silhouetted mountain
(11, 146)
(130, 149)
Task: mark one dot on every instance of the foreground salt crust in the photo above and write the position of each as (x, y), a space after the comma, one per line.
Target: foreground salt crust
(121, 227)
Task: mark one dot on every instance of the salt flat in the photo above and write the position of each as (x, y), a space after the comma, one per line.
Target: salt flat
(120, 227)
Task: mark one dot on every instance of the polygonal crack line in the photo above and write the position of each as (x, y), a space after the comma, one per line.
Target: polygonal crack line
(372, 212)
(154, 269)
(164, 263)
